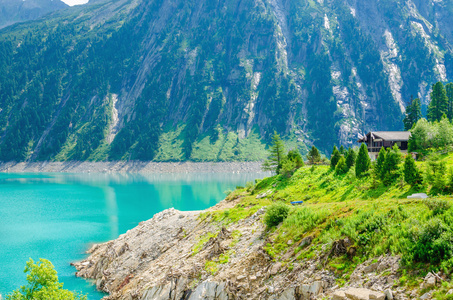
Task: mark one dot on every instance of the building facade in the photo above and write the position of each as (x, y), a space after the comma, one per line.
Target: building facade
(375, 140)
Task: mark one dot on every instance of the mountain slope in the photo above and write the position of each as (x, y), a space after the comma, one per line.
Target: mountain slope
(212, 80)
(12, 11)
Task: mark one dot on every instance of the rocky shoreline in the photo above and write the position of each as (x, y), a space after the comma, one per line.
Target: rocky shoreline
(182, 255)
(131, 167)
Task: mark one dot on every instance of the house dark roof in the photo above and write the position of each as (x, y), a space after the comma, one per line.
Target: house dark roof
(395, 136)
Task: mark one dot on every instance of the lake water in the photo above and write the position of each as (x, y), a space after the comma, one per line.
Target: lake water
(58, 216)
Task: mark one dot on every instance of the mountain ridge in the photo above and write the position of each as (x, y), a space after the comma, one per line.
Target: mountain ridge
(171, 81)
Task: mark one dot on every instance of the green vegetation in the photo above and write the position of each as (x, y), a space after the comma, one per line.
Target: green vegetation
(363, 162)
(42, 284)
(217, 96)
(275, 214)
(413, 114)
(313, 156)
(373, 213)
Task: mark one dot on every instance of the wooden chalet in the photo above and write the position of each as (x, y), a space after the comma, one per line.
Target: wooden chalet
(375, 140)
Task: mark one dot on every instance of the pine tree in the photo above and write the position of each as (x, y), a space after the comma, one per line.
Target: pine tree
(413, 114)
(294, 155)
(363, 162)
(449, 92)
(342, 150)
(391, 168)
(313, 156)
(439, 103)
(341, 167)
(411, 174)
(276, 155)
(334, 158)
(380, 161)
(351, 156)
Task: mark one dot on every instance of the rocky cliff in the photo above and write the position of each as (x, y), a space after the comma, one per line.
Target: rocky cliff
(183, 255)
(171, 80)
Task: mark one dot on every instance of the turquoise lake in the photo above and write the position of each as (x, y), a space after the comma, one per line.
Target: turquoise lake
(58, 216)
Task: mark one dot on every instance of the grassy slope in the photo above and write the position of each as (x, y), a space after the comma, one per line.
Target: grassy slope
(378, 219)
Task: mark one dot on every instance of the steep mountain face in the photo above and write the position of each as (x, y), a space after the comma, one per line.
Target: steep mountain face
(12, 11)
(212, 80)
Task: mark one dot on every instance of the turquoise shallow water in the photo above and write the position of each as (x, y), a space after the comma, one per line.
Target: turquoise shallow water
(58, 216)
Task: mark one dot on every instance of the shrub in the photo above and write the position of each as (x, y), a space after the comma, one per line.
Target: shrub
(275, 214)
(436, 176)
(433, 243)
(437, 206)
(288, 167)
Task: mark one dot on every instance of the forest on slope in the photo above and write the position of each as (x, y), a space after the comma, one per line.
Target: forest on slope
(212, 80)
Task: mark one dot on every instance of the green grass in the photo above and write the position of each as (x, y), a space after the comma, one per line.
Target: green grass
(377, 219)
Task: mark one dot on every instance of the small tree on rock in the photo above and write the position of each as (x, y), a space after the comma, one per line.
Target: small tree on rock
(363, 162)
(276, 155)
(334, 158)
(313, 156)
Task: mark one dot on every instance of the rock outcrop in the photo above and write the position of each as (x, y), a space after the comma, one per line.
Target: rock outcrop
(183, 255)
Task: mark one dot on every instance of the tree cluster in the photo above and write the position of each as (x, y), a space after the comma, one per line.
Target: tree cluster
(441, 102)
(342, 160)
(280, 162)
(426, 135)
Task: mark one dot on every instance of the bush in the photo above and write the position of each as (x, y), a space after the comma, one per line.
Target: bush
(288, 167)
(433, 243)
(436, 176)
(275, 214)
(437, 206)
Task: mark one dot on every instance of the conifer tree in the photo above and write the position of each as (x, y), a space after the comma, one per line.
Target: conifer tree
(334, 158)
(449, 92)
(342, 150)
(411, 174)
(294, 155)
(313, 156)
(276, 155)
(413, 114)
(390, 171)
(439, 103)
(380, 161)
(341, 167)
(363, 162)
(350, 158)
